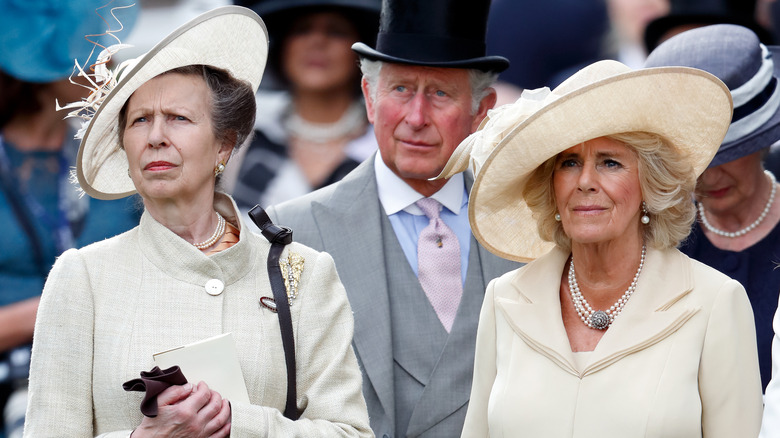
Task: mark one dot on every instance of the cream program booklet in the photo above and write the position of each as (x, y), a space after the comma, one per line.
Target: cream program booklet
(214, 361)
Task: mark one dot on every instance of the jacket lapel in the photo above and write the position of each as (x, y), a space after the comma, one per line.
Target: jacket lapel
(348, 226)
(654, 312)
(533, 310)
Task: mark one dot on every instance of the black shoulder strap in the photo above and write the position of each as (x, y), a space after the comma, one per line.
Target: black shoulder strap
(279, 237)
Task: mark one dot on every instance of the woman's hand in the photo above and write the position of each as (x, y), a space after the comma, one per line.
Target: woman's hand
(187, 411)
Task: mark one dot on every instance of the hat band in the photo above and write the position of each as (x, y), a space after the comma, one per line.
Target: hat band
(756, 103)
(755, 113)
(757, 83)
(429, 48)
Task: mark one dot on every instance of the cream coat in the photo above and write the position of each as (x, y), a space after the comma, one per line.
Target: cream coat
(680, 360)
(107, 307)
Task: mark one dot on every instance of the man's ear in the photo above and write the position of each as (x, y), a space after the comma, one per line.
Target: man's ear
(367, 97)
(487, 102)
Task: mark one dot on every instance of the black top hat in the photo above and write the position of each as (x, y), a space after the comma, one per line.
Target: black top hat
(435, 33)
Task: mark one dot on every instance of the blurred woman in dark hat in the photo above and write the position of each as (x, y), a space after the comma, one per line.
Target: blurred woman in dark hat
(41, 213)
(737, 230)
(312, 130)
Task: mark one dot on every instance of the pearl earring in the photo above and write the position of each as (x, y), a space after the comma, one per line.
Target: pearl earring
(219, 169)
(557, 217)
(645, 218)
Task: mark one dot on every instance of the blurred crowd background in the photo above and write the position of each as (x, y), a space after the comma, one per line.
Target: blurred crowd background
(545, 40)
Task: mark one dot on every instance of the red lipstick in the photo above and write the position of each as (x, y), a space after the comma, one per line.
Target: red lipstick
(159, 165)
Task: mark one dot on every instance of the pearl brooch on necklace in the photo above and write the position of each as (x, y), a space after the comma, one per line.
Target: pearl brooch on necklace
(748, 228)
(600, 319)
(214, 237)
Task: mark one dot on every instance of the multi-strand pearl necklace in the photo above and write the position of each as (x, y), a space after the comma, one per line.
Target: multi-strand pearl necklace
(600, 319)
(350, 121)
(750, 227)
(214, 237)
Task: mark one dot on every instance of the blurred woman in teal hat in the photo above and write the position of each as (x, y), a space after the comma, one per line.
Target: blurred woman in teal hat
(41, 212)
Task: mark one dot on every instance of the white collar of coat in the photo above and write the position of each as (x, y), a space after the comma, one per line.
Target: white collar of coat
(532, 308)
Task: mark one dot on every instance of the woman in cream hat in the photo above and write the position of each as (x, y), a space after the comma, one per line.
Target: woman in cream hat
(191, 270)
(609, 330)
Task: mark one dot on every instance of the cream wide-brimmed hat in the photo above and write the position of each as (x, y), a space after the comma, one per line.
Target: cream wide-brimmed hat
(230, 38)
(690, 108)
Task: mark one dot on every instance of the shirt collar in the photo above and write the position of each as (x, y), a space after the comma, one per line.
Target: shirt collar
(395, 195)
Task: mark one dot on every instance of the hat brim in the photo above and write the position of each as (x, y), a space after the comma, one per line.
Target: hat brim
(761, 138)
(689, 108)
(230, 38)
(485, 63)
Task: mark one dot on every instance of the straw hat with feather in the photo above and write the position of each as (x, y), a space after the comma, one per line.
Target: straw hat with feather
(230, 38)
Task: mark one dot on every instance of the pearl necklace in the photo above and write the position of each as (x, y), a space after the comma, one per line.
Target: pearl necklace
(748, 228)
(600, 319)
(214, 237)
(350, 121)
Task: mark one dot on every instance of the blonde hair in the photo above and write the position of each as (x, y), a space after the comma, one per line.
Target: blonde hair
(666, 179)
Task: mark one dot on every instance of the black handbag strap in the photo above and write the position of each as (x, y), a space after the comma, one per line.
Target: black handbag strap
(279, 237)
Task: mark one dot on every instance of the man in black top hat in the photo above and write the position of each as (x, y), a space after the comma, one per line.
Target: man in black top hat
(427, 86)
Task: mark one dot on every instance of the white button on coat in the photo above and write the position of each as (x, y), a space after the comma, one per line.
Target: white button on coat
(214, 287)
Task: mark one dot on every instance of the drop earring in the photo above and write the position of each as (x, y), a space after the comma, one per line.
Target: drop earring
(645, 218)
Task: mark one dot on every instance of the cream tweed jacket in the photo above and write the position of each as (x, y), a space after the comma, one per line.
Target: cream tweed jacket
(108, 307)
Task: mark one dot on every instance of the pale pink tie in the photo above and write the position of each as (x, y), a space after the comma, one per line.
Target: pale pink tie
(438, 264)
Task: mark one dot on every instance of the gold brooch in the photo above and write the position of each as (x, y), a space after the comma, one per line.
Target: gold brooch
(292, 267)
